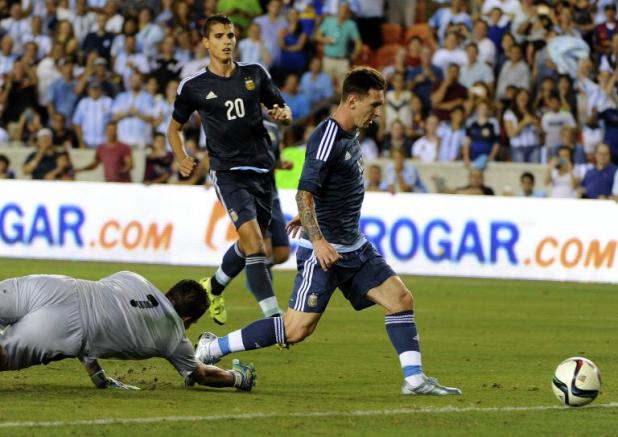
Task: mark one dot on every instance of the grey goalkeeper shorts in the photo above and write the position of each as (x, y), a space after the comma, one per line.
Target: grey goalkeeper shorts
(41, 321)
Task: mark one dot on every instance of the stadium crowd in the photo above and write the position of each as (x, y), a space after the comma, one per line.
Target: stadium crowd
(532, 82)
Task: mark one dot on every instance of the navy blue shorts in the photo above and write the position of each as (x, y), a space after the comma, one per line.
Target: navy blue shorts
(245, 195)
(276, 231)
(355, 274)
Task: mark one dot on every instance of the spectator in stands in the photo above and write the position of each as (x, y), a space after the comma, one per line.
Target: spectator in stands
(497, 27)
(129, 27)
(316, 85)
(369, 148)
(503, 49)
(7, 58)
(42, 162)
(599, 180)
(369, 18)
(91, 116)
(514, 72)
(482, 135)
(426, 148)
(604, 32)
(397, 139)
(63, 170)
(476, 184)
(298, 102)
(486, 48)
(402, 12)
(149, 35)
(397, 103)
(523, 128)
(115, 156)
(5, 168)
(115, 20)
(251, 49)
(455, 14)
(43, 41)
(412, 57)
(526, 182)
(452, 135)
(63, 97)
(163, 108)
(166, 67)
(402, 176)
(568, 100)
(292, 43)
(337, 34)
(422, 78)
(448, 94)
(450, 54)
(133, 111)
(96, 70)
(19, 92)
(17, 25)
(609, 123)
(475, 70)
(99, 39)
(560, 174)
(158, 162)
(64, 137)
(271, 24)
(566, 25)
(568, 138)
(609, 61)
(27, 127)
(553, 120)
(373, 178)
(130, 61)
(83, 22)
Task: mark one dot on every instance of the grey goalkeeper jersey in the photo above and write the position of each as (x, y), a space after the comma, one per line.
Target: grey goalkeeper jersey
(126, 317)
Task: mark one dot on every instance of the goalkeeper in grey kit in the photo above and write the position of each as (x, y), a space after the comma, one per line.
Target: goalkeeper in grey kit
(48, 318)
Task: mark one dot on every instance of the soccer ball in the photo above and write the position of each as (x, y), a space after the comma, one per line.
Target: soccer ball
(576, 381)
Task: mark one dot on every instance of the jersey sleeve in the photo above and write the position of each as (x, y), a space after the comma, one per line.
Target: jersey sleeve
(269, 93)
(183, 358)
(183, 106)
(317, 158)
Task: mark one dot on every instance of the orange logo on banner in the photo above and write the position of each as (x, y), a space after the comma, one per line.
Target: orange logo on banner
(218, 213)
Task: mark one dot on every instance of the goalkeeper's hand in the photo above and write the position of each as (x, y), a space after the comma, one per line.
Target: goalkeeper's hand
(112, 383)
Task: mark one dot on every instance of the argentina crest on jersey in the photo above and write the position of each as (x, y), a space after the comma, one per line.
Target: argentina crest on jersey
(249, 84)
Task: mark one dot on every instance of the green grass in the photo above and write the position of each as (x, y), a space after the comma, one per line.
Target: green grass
(498, 340)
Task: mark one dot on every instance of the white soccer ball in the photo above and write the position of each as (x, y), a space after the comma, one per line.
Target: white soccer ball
(576, 381)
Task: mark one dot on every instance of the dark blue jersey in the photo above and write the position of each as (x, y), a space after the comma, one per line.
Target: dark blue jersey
(231, 114)
(333, 173)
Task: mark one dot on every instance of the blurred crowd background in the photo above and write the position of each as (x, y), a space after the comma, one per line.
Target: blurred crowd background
(522, 90)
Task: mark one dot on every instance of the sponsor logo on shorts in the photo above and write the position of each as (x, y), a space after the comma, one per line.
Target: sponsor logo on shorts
(233, 215)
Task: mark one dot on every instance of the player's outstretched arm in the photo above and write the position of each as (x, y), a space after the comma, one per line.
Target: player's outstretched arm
(100, 379)
(324, 251)
(281, 114)
(186, 163)
(242, 376)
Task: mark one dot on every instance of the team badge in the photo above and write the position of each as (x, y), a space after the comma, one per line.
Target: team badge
(485, 132)
(233, 215)
(312, 300)
(249, 84)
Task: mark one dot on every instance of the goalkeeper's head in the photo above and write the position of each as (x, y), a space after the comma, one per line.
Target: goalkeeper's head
(189, 300)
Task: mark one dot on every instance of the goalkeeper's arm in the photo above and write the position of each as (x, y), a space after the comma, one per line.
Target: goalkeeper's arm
(100, 379)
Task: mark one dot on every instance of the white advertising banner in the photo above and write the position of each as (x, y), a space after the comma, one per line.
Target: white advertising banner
(477, 236)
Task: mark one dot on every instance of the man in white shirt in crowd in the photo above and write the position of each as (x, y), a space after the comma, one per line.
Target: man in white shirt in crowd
(133, 111)
(91, 117)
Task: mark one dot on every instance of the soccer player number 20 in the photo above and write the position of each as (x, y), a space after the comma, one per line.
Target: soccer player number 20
(237, 106)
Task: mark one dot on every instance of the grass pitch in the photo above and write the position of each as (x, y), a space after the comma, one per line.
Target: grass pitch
(498, 340)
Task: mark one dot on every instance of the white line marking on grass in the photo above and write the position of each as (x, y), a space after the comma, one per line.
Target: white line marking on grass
(249, 416)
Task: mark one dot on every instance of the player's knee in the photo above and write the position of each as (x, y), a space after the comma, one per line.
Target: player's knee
(296, 334)
(253, 246)
(406, 300)
(280, 255)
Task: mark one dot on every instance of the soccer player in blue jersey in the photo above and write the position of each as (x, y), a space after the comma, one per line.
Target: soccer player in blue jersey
(228, 97)
(333, 252)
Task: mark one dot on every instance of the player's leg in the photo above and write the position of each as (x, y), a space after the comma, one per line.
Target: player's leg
(376, 282)
(312, 290)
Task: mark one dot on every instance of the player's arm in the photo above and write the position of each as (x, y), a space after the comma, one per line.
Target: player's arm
(271, 97)
(100, 379)
(324, 251)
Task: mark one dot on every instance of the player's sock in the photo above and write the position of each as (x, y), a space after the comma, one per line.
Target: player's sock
(401, 329)
(260, 284)
(232, 264)
(256, 335)
(269, 306)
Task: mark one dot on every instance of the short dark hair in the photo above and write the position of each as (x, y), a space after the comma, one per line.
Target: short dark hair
(362, 79)
(528, 175)
(189, 299)
(212, 20)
